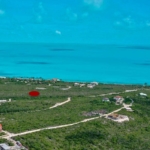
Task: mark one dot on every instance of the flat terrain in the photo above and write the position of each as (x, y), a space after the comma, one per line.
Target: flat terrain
(52, 108)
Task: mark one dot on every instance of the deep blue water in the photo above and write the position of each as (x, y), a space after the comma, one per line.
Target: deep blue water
(70, 62)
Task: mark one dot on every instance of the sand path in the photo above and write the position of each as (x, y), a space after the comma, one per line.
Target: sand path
(10, 135)
(126, 91)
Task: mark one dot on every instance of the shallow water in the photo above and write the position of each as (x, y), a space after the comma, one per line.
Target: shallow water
(70, 62)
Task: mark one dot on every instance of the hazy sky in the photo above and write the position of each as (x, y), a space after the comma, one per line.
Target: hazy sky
(75, 21)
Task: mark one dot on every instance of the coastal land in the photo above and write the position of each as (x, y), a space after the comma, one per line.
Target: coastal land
(73, 115)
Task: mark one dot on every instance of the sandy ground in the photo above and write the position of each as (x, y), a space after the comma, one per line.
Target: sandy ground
(59, 104)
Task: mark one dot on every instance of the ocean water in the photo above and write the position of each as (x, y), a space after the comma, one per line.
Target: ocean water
(74, 62)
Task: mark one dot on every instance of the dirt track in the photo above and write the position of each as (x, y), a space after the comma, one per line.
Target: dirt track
(8, 135)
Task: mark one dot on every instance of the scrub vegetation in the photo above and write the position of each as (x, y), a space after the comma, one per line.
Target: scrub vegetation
(25, 113)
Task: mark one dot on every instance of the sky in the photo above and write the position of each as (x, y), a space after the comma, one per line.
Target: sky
(80, 21)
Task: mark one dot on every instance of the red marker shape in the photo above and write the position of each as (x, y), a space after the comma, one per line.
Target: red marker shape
(34, 93)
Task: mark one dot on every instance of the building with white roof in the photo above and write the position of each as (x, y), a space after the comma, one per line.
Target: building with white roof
(106, 99)
(3, 101)
(94, 83)
(143, 94)
(4, 146)
(118, 99)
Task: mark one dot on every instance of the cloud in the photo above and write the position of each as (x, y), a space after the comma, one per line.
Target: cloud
(2, 12)
(133, 22)
(21, 27)
(128, 23)
(58, 32)
(41, 8)
(118, 23)
(85, 14)
(147, 23)
(39, 13)
(128, 20)
(70, 15)
(39, 18)
(97, 4)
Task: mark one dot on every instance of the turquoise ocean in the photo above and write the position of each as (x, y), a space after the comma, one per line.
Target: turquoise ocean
(77, 62)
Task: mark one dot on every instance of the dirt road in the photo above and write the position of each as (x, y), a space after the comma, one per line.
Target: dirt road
(126, 91)
(10, 135)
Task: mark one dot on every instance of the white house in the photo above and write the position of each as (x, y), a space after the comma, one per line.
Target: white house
(55, 80)
(81, 85)
(105, 99)
(76, 84)
(143, 94)
(94, 83)
(4, 146)
(3, 101)
(118, 99)
(90, 85)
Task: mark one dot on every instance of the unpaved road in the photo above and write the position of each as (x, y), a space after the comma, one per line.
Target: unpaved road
(59, 104)
(10, 135)
(126, 91)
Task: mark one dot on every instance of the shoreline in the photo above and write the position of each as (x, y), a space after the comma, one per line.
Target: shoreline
(74, 81)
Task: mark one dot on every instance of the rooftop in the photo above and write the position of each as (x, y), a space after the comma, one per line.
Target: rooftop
(4, 146)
